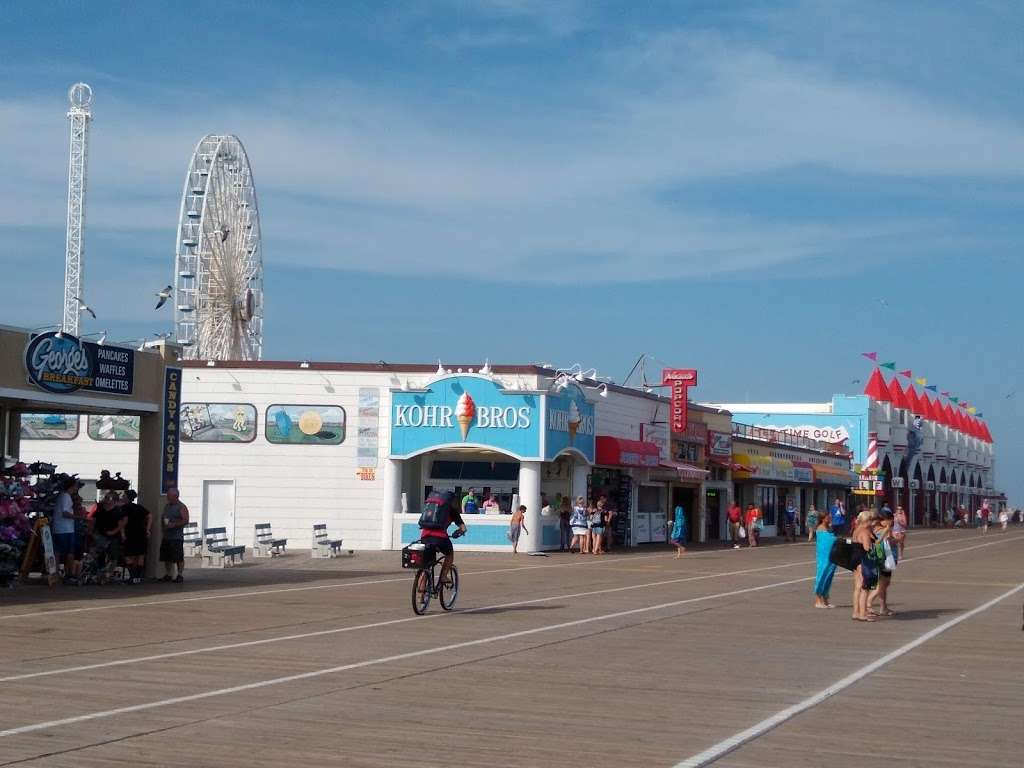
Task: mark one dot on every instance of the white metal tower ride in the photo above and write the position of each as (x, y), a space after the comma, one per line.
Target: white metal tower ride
(80, 96)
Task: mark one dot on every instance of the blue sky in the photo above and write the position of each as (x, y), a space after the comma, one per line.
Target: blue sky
(760, 190)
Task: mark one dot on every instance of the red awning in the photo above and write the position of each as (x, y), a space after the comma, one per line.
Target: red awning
(619, 452)
(686, 471)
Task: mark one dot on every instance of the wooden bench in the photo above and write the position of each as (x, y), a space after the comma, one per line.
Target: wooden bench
(193, 540)
(323, 545)
(218, 552)
(264, 543)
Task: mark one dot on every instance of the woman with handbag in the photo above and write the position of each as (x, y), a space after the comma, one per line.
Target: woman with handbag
(886, 549)
(865, 576)
(580, 532)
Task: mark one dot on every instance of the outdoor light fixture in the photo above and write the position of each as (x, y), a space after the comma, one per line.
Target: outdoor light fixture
(603, 389)
(304, 364)
(210, 363)
(486, 370)
(440, 369)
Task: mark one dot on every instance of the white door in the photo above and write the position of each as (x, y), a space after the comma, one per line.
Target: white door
(219, 506)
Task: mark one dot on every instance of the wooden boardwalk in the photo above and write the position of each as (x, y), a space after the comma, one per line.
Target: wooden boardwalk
(633, 659)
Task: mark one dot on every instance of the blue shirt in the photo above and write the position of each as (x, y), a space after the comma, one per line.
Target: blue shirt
(838, 517)
(790, 514)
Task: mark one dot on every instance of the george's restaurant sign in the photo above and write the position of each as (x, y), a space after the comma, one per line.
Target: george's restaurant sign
(60, 363)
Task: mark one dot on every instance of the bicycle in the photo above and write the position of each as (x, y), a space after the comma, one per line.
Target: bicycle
(426, 582)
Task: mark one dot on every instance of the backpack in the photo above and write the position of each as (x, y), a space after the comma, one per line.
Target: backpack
(435, 514)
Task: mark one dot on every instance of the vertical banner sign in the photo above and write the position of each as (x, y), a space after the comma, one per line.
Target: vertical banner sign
(679, 380)
(170, 445)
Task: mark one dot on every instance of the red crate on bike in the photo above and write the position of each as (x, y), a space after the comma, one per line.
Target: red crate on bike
(418, 555)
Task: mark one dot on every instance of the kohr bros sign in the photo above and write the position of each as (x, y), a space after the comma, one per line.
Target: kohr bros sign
(61, 364)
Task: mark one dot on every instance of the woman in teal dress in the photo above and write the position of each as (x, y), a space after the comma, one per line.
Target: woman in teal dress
(679, 532)
(824, 539)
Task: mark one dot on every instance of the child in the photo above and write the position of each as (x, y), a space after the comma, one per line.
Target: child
(517, 525)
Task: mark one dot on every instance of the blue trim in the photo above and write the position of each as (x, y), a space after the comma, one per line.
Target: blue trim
(483, 535)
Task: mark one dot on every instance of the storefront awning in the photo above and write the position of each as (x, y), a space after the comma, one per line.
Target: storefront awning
(833, 475)
(743, 467)
(686, 471)
(619, 452)
(735, 466)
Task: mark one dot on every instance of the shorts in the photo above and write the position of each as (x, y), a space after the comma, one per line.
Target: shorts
(579, 531)
(514, 532)
(868, 573)
(63, 544)
(136, 546)
(441, 543)
(597, 530)
(172, 551)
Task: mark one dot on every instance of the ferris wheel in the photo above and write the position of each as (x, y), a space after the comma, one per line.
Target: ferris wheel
(218, 269)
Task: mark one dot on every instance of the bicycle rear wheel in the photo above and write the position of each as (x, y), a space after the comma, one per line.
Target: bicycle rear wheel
(449, 591)
(421, 589)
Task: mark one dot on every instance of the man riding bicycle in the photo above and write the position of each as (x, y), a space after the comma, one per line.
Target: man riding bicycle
(434, 524)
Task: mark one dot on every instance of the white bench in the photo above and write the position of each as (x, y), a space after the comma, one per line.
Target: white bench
(218, 552)
(323, 545)
(193, 540)
(264, 543)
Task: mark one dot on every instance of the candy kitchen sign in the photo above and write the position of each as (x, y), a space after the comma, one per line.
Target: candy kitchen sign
(466, 410)
(61, 364)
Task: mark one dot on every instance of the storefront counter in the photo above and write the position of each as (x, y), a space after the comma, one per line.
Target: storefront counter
(485, 533)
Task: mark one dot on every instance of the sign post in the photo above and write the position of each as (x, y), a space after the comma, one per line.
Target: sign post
(679, 380)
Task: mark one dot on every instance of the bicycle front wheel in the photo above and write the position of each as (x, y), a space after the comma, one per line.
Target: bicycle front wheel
(449, 591)
(421, 589)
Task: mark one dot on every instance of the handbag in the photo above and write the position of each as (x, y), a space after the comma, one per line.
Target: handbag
(890, 559)
(742, 532)
(842, 554)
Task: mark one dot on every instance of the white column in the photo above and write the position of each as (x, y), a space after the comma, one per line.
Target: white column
(392, 502)
(529, 494)
(580, 473)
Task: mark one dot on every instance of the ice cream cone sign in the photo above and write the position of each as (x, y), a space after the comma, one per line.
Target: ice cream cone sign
(465, 412)
(574, 420)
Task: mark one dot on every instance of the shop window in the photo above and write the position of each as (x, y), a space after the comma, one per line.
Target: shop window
(113, 427)
(305, 425)
(648, 499)
(218, 422)
(49, 426)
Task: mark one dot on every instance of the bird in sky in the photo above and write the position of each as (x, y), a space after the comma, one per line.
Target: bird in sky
(1011, 394)
(855, 381)
(164, 295)
(83, 307)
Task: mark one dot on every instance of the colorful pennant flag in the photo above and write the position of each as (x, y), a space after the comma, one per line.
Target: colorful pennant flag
(931, 387)
(944, 394)
(907, 373)
(922, 381)
(980, 415)
(872, 356)
(954, 399)
(891, 366)
(972, 410)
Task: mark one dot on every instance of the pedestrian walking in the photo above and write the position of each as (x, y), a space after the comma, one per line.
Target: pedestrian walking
(1004, 518)
(516, 526)
(753, 523)
(812, 522)
(838, 513)
(790, 515)
(679, 531)
(172, 547)
(826, 569)
(596, 523)
(735, 515)
(564, 525)
(136, 536)
(899, 529)
(984, 513)
(882, 528)
(580, 531)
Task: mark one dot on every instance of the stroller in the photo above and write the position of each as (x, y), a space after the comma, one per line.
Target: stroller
(102, 563)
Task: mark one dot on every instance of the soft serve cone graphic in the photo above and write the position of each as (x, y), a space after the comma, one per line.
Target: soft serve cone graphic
(574, 420)
(465, 412)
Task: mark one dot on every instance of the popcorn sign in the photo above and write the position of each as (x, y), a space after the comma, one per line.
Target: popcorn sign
(679, 380)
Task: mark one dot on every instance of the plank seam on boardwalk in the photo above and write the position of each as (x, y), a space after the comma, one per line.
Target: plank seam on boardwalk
(32, 727)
